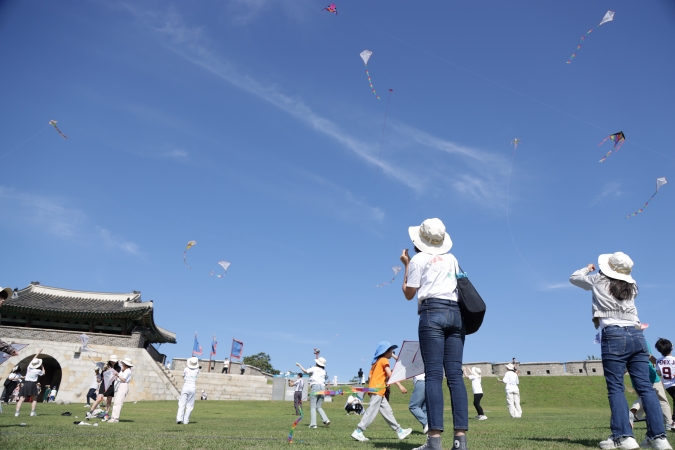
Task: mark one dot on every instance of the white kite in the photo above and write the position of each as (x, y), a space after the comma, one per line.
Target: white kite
(396, 270)
(365, 56)
(609, 16)
(659, 182)
(224, 265)
(409, 363)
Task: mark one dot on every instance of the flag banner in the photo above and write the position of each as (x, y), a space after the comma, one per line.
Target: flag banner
(214, 344)
(196, 348)
(237, 349)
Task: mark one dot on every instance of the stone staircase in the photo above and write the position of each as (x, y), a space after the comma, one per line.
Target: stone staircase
(170, 378)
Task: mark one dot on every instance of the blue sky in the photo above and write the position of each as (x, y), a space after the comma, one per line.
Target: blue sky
(249, 127)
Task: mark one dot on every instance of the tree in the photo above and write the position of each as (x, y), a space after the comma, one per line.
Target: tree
(262, 361)
(592, 358)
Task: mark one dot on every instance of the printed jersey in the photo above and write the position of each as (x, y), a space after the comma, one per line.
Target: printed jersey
(666, 366)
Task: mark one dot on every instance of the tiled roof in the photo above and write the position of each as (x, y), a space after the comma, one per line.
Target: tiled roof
(57, 302)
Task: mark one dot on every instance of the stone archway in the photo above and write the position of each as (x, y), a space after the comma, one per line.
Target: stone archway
(52, 376)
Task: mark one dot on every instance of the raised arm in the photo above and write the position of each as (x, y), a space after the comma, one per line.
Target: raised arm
(301, 368)
(581, 279)
(408, 292)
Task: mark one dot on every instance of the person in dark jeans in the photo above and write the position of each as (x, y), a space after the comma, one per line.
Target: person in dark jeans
(360, 375)
(297, 394)
(242, 368)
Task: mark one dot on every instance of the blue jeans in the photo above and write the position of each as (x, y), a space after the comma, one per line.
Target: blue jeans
(441, 335)
(625, 348)
(418, 404)
(315, 402)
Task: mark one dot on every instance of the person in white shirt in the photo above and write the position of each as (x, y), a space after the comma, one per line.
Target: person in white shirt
(29, 388)
(317, 382)
(93, 389)
(297, 394)
(418, 401)
(186, 403)
(665, 366)
(512, 391)
(124, 378)
(475, 376)
(204, 396)
(14, 379)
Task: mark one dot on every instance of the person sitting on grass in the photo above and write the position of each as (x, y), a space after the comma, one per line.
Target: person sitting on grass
(379, 374)
(623, 347)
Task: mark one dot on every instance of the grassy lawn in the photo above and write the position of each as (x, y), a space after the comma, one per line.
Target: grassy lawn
(558, 413)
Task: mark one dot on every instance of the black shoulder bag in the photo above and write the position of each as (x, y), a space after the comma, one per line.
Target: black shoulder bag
(470, 303)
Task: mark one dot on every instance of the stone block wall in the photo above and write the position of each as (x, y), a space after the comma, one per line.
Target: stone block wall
(21, 334)
(485, 368)
(217, 367)
(229, 387)
(584, 368)
(541, 369)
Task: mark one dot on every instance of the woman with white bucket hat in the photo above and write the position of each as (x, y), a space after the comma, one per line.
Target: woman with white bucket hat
(29, 389)
(317, 380)
(123, 380)
(623, 346)
(474, 374)
(432, 275)
(186, 403)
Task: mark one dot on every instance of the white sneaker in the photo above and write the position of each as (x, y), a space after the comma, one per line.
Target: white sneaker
(16, 414)
(624, 443)
(426, 429)
(358, 435)
(403, 432)
(658, 443)
(482, 417)
(33, 414)
(87, 406)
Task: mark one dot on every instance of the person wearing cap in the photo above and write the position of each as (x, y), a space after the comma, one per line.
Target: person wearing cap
(299, 385)
(6, 293)
(95, 384)
(512, 392)
(107, 392)
(623, 346)
(29, 388)
(317, 380)
(186, 402)
(379, 374)
(123, 378)
(12, 381)
(432, 275)
(474, 375)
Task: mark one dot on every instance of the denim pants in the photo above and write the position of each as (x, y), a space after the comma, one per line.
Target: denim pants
(625, 348)
(418, 403)
(315, 402)
(441, 335)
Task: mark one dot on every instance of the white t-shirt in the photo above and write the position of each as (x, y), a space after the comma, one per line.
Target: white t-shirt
(420, 377)
(317, 375)
(666, 366)
(299, 384)
(33, 374)
(434, 275)
(96, 382)
(511, 381)
(476, 386)
(53, 393)
(125, 375)
(190, 376)
(14, 376)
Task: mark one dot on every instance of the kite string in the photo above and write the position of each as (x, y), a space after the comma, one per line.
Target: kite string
(643, 207)
(379, 159)
(24, 142)
(370, 82)
(499, 84)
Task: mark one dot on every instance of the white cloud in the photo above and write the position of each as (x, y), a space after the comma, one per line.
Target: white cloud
(53, 216)
(609, 190)
(556, 286)
(177, 153)
(244, 12)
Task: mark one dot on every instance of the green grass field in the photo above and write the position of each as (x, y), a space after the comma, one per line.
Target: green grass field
(558, 413)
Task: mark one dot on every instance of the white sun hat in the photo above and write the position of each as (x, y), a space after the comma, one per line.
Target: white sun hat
(617, 265)
(430, 237)
(475, 371)
(9, 292)
(37, 362)
(510, 366)
(113, 358)
(193, 362)
(320, 362)
(127, 362)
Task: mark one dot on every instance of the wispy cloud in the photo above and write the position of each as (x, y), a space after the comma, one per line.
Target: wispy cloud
(556, 286)
(476, 174)
(54, 216)
(244, 12)
(609, 190)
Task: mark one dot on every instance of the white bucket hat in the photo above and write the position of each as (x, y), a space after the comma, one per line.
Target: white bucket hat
(127, 362)
(617, 266)
(475, 371)
(113, 358)
(320, 362)
(510, 366)
(430, 237)
(9, 292)
(37, 362)
(193, 362)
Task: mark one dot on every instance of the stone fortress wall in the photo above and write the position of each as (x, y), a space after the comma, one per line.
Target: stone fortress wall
(592, 367)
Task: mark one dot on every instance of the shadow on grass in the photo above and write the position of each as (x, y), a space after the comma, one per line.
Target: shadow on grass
(13, 425)
(591, 443)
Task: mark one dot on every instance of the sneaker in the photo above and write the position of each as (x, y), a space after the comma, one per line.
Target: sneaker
(312, 426)
(459, 443)
(88, 415)
(16, 414)
(326, 423)
(658, 443)
(432, 443)
(178, 422)
(33, 414)
(358, 435)
(403, 432)
(626, 443)
(87, 406)
(482, 417)
(425, 430)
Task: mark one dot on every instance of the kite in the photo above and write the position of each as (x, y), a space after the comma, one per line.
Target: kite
(356, 390)
(609, 16)
(618, 139)
(515, 143)
(294, 426)
(365, 56)
(331, 8)
(659, 182)
(188, 247)
(396, 270)
(53, 123)
(339, 392)
(224, 265)
(84, 340)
